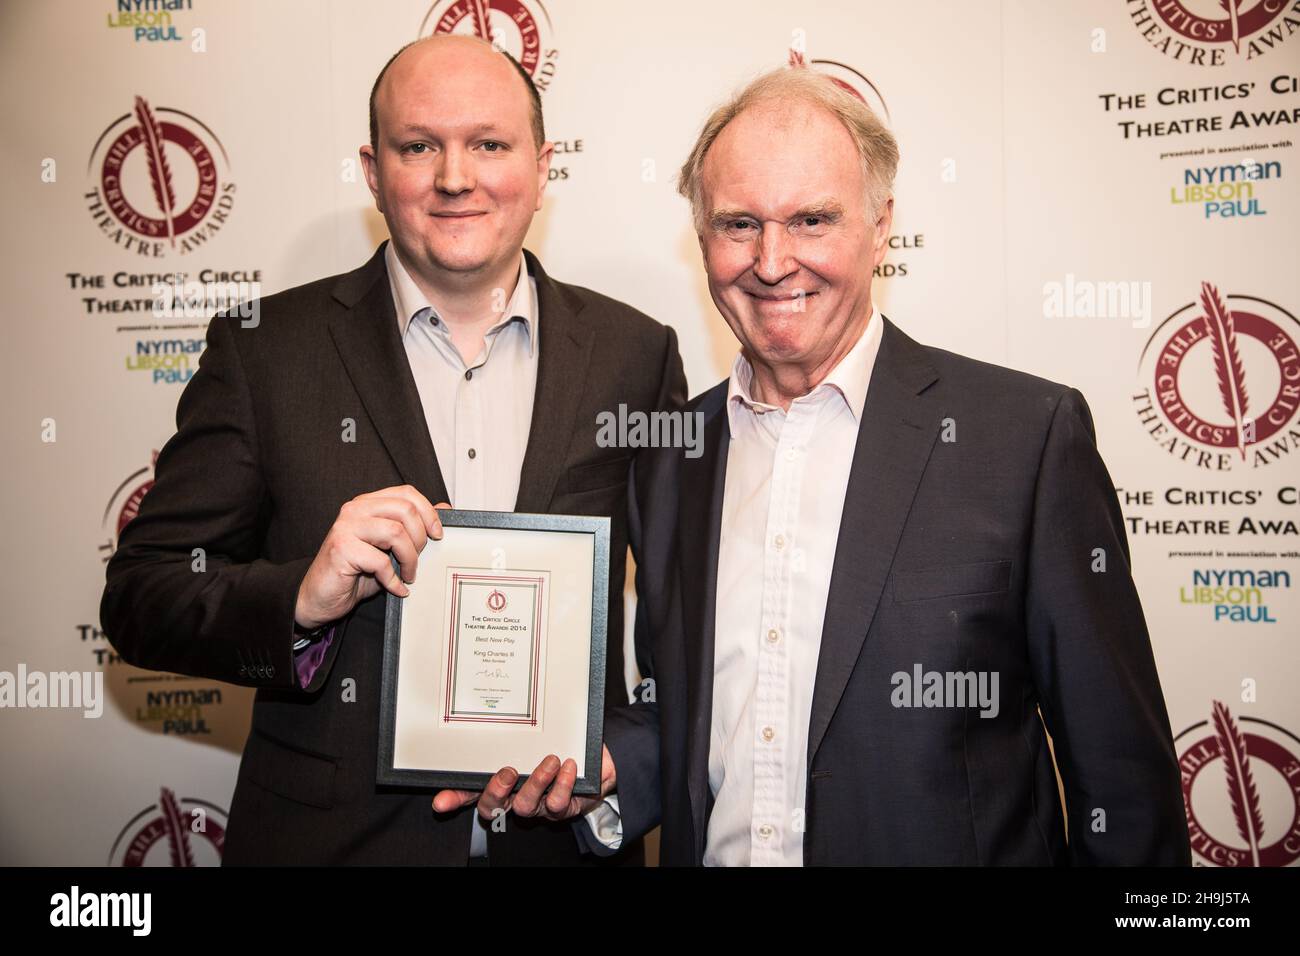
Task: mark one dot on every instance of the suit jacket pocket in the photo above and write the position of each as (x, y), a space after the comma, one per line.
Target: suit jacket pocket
(597, 475)
(292, 773)
(951, 580)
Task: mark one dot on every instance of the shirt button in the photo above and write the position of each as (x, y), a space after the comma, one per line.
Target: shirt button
(773, 636)
(472, 453)
(791, 454)
(779, 541)
(768, 734)
(469, 374)
(765, 831)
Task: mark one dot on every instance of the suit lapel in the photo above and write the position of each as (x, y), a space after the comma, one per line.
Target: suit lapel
(367, 339)
(561, 374)
(895, 438)
(702, 484)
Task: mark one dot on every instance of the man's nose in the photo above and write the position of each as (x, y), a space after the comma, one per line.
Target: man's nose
(773, 260)
(455, 172)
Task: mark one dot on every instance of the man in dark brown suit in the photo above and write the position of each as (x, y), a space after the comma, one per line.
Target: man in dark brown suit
(312, 442)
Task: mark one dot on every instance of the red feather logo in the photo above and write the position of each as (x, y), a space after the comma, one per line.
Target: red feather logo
(1241, 784)
(160, 174)
(482, 25)
(178, 838)
(1231, 6)
(1220, 328)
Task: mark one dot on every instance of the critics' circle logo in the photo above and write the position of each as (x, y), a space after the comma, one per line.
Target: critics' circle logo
(172, 832)
(124, 504)
(1219, 382)
(520, 27)
(1206, 32)
(1241, 791)
(157, 184)
(851, 81)
(496, 601)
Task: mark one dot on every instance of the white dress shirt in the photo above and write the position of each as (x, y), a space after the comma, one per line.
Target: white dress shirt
(478, 407)
(478, 411)
(787, 472)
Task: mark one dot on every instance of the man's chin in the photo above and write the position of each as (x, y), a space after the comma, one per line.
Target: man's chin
(460, 260)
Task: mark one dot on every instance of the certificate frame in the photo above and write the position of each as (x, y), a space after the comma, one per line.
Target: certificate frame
(416, 725)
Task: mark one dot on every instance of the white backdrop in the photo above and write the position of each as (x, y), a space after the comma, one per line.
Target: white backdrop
(1018, 181)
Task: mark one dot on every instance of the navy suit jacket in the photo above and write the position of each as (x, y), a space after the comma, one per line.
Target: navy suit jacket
(971, 551)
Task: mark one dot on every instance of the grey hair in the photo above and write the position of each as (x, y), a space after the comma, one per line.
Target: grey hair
(877, 148)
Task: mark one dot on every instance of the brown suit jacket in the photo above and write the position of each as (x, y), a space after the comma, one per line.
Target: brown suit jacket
(255, 476)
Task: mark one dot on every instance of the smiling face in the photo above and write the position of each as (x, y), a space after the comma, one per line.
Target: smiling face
(788, 245)
(458, 174)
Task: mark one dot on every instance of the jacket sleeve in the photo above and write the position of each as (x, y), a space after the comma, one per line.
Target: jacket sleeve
(672, 383)
(1091, 659)
(632, 730)
(186, 590)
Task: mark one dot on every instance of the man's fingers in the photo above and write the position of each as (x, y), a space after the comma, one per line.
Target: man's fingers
(445, 801)
(529, 798)
(423, 506)
(395, 509)
(557, 801)
(496, 795)
(435, 529)
(608, 772)
(389, 535)
(373, 561)
(408, 493)
(383, 534)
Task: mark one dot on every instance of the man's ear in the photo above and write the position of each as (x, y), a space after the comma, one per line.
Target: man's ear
(543, 171)
(884, 224)
(370, 166)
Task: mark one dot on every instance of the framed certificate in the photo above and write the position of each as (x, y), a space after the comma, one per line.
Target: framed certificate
(497, 656)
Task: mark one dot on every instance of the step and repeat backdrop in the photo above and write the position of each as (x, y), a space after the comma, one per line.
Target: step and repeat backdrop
(1102, 193)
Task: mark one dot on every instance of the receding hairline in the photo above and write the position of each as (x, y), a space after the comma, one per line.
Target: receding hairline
(773, 92)
(438, 39)
(770, 106)
(530, 89)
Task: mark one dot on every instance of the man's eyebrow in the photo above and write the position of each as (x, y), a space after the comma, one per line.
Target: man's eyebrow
(826, 209)
(421, 129)
(720, 217)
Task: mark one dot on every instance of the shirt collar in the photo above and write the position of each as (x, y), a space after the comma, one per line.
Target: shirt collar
(410, 301)
(850, 377)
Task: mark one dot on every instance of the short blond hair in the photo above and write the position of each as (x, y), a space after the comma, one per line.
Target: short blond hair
(877, 148)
